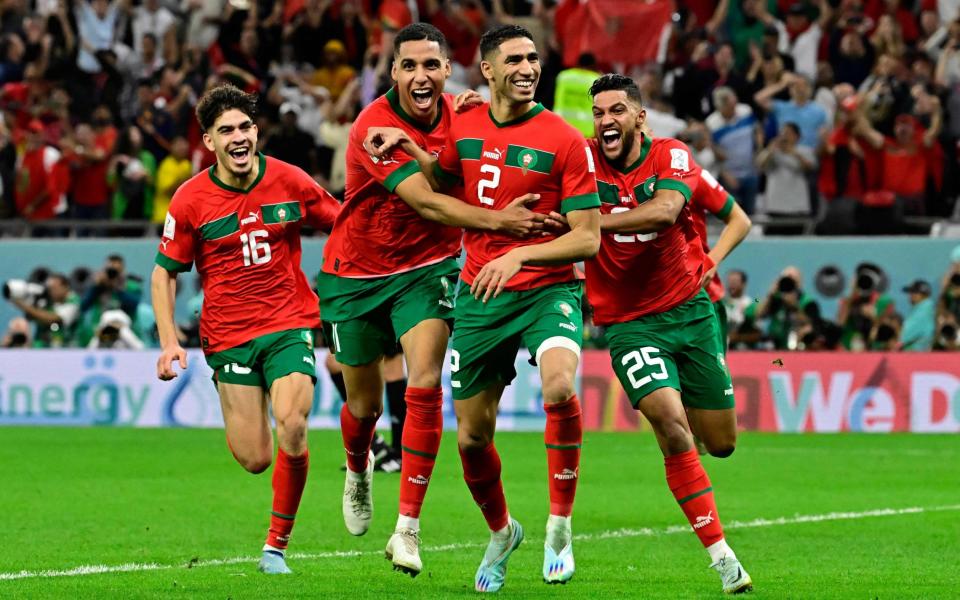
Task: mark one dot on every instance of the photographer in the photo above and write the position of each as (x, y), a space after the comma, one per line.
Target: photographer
(948, 307)
(114, 332)
(919, 326)
(110, 290)
(52, 306)
(864, 309)
(789, 309)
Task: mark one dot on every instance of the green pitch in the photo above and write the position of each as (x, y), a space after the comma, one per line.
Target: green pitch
(807, 516)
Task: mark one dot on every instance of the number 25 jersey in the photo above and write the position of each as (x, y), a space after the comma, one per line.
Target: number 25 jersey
(246, 244)
(635, 275)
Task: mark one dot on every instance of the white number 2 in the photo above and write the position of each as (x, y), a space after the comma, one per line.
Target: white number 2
(632, 237)
(254, 252)
(491, 183)
(645, 357)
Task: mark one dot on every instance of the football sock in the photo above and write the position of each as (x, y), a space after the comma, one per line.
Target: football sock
(558, 532)
(408, 522)
(563, 435)
(421, 440)
(357, 437)
(720, 550)
(691, 487)
(396, 392)
(481, 471)
(337, 379)
(289, 478)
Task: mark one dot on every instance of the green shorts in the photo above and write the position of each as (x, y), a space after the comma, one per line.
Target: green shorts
(363, 319)
(487, 336)
(721, 309)
(264, 359)
(679, 348)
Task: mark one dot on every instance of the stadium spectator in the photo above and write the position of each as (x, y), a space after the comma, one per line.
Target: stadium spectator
(55, 314)
(735, 131)
(571, 99)
(88, 154)
(110, 290)
(333, 73)
(698, 139)
(39, 186)
(737, 302)
(790, 311)
(172, 172)
(919, 325)
(17, 334)
(810, 118)
(804, 35)
(151, 18)
(96, 25)
(787, 165)
(851, 53)
(291, 144)
(132, 175)
(114, 332)
(335, 132)
(864, 309)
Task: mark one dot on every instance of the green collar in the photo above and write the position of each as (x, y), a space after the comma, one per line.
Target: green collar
(536, 110)
(393, 97)
(230, 188)
(645, 144)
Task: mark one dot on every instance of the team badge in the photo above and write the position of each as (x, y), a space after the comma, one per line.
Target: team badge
(527, 159)
(308, 338)
(721, 360)
(565, 308)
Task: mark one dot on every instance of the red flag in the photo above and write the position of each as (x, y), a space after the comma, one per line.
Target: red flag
(614, 31)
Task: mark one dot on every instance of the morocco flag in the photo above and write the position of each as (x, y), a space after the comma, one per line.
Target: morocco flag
(614, 31)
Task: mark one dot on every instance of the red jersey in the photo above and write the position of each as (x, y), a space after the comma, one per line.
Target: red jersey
(40, 172)
(635, 275)
(536, 153)
(246, 244)
(377, 233)
(710, 197)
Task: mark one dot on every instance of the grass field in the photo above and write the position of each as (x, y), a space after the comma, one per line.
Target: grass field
(166, 513)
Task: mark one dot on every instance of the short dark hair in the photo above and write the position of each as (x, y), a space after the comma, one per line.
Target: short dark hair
(616, 81)
(222, 98)
(115, 258)
(792, 126)
(493, 37)
(61, 278)
(742, 274)
(415, 32)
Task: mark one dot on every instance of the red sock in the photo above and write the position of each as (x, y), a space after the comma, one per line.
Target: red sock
(421, 439)
(357, 437)
(481, 471)
(691, 487)
(289, 477)
(563, 436)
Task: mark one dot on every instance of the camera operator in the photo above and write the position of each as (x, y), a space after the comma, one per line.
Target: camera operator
(114, 332)
(862, 311)
(789, 309)
(919, 326)
(109, 291)
(52, 306)
(948, 306)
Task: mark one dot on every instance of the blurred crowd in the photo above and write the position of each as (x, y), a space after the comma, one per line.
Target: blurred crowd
(846, 112)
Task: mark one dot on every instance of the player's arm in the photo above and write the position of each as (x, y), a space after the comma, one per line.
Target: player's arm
(580, 243)
(654, 215)
(515, 219)
(737, 226)
(163, 290)
(381, 141)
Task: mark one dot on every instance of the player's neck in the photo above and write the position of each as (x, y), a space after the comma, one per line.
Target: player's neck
(504, 111)
(243, 182)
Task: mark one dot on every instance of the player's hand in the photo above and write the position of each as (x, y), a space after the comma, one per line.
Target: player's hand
(494, 275)
(467, 100)
(381, 140)
(708, 276)
(518, 220)
(165, 363)
(555, 224)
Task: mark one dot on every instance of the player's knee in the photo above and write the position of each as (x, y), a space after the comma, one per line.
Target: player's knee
(420, 377)
(721, 448)
(473, 440)
(557, 388)
(292, 428)
(255, 463)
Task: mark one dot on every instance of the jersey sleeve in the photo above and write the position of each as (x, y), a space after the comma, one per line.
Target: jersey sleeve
(712, 196)
(578, 185)
(320, 207)
(389, 170)
(178, 244)
(676, 169)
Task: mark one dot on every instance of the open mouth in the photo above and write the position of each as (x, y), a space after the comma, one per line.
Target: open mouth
(422, 98)
(524, 85)
(240, 156)
(611, 140)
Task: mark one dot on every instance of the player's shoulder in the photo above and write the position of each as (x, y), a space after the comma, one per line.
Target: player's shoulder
(285, 172)
(473, 119)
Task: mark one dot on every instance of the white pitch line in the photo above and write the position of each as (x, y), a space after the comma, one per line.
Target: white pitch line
(613, 534)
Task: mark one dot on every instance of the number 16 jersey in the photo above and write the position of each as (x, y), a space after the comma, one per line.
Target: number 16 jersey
(246, 244)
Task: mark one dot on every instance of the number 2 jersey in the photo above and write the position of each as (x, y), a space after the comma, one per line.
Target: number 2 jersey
(710, 197)
(377, 233)
(498, 162)
(635, 275)
(246, 244)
